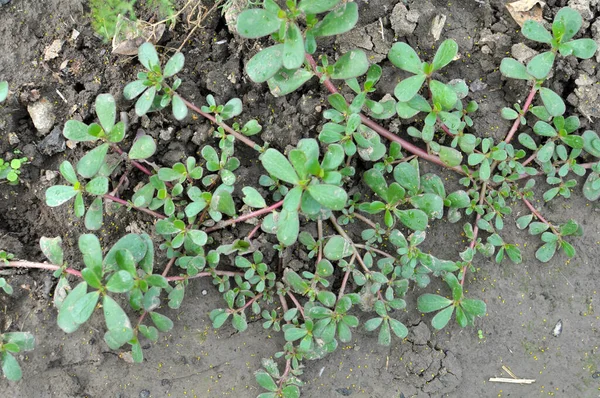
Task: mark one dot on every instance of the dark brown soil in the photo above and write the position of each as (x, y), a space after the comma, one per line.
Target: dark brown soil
(524, 301)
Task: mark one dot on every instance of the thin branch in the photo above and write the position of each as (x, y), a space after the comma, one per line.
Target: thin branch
(346, 276)
(245, 217)
(30, 264)
(168, 267)
(365, 220)
(341, 231)
(203, 274)
(142, 209)
(369, 248)
(475, 231)
(296, 303)
(383, 131)
(320, 239)
(525, 109)
(238, 136)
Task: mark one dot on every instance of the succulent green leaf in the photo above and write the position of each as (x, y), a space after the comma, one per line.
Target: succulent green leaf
(179, 108)
(144, 103)
(279, 167)
(442, 94)
(535, 31)
(232, 108)
(552, 101)
(581, 48)
(330, 196)
(142, 148)
(257, 22)
(528, 142)
(148, 56)
(163, 323)
(89, 165)
(10, 367)
(413, 219)
(224, 203)
(265, 64)
(591, 187)
(407, 175)
(133, 89)
(56, 195)
(514, 69)
(440, 320)
(352, 64)
(174, 65)
(570, 20)
(409, 87)
(430, 203)
(120, 282)
(288, 227)
(541, 64)
(97, 186)
(293, 47)
(405, 57)
(450, 156)
(52, 249)
(84, 307)
(445, 54)
(132, 242)
(474, 307)
(93, 217)
(432, 302)
(265, 381)
(338, 21)
(117, 321)
(65, 318)
(253, 198)
(337, 248)
(3, 90)
(106, 111)
(546, 252)
(24, 340)
(398, 328)
(317, 6)
(286, 81)
(545, 152)
(77, 131)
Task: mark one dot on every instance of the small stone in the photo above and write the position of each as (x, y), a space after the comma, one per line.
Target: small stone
(53, 50)
(50, 175)
(437, 24)
(477, 85)
(346, 392)
(53, 143)
(144, 394)
(167, 134)
(584, 80)
(42, 115)
(204, 292)
(13, 139)
(401, 24)
(595, 375)
(523, 53)
(4, 2)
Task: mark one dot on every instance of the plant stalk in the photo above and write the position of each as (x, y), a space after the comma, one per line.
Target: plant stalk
(142, 209)
(245, 217)
(525, 109)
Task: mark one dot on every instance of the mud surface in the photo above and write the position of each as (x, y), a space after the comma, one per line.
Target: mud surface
(524, 301)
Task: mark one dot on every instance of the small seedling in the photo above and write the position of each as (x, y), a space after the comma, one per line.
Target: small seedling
(10, 171)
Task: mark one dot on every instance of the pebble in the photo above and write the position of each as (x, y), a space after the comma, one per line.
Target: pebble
(144, 394)
(13, 139)
(42, 115)
(595, 375)
(53, 143)
(204, 292)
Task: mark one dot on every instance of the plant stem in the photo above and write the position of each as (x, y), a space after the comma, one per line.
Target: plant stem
(284, 305)
(346, 276)
(365, 220)
(30, 264)
(320, 239)
(475, 232)
(530, 159)
(168, 267)
(202, 275)
(341, 231)
(142, 209)
(525, 109)
(238, 136)
(383, 131)
(253, 232)
(296, 303)
(137, 165)
(245, 217)
(368, 248)
(249, 303)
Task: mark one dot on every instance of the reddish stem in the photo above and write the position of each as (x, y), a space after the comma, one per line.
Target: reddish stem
(383, 131)
(534, 211)
(254, 230)
(238, 136)
(346, 276)
(30, 264)
(530, 159)
(249, 303)
(168, 267)
(245, 217)
(475, 232)
(202, 275)
(296, 303)
(142, 209)
(133, 162)
(525, 109)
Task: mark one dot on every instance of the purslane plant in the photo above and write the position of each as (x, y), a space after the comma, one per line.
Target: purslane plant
(313, 182)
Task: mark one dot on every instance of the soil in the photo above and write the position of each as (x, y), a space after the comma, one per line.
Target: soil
(524, 301)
